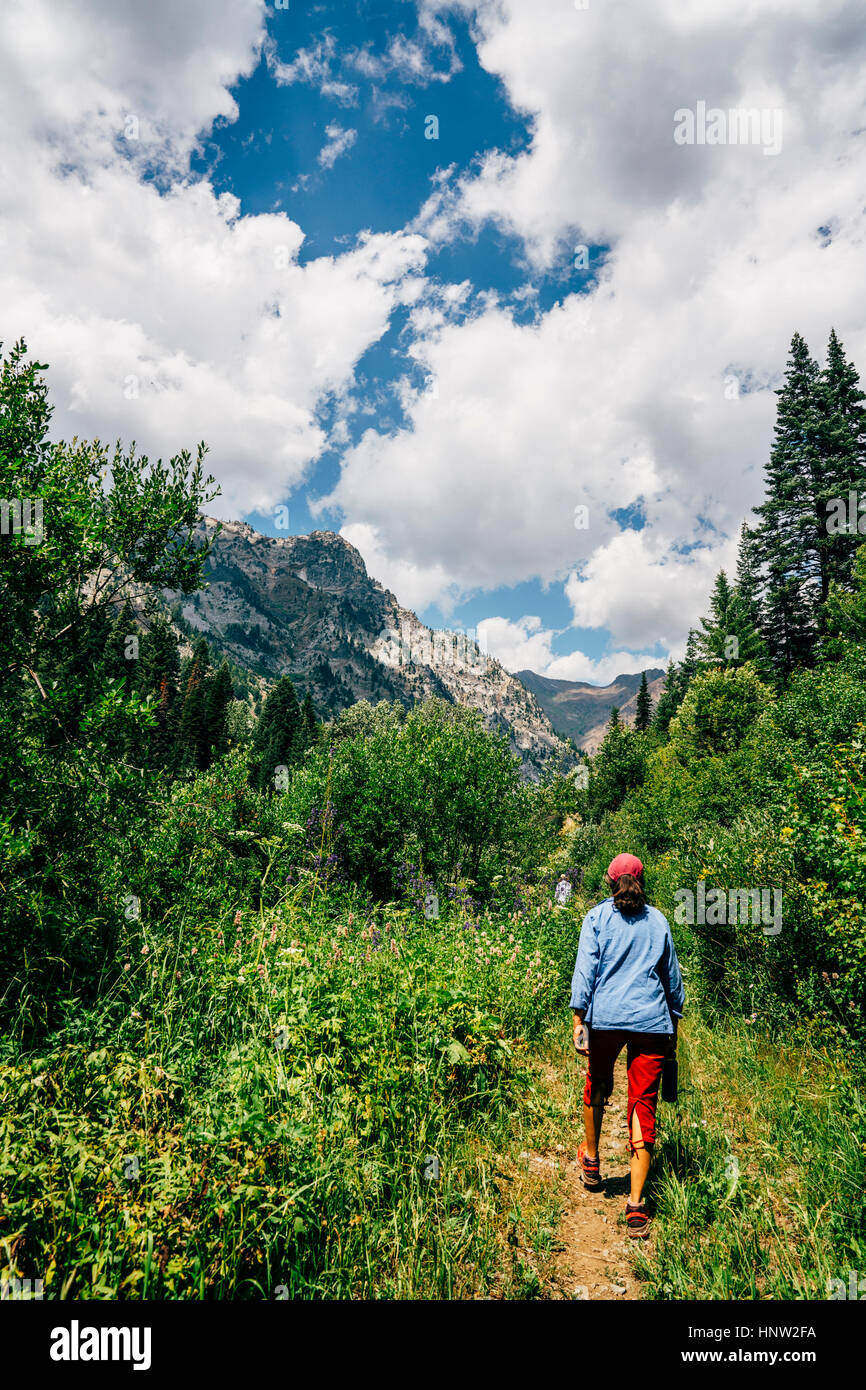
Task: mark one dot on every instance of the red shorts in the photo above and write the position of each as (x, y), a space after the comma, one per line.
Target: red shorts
(646, 1054)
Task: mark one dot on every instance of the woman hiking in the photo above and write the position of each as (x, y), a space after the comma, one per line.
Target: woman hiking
(627, 991)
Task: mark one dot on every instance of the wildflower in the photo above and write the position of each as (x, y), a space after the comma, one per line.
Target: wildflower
(135, 1014)
(126, 967)
(176, 974)
(194, 951)
(145, 950)
(237, 920)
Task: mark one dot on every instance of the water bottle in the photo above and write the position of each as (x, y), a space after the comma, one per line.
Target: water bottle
(670, 1072)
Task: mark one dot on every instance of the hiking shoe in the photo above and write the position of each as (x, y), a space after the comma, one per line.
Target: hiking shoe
(637, 1220)
(589, 1169)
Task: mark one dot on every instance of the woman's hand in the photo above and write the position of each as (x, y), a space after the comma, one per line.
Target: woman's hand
(581, 1037)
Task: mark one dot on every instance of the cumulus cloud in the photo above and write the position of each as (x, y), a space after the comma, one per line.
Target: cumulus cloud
(414, 586)
(165, 315)
(639, 591)
(525, 645)
(651, 383)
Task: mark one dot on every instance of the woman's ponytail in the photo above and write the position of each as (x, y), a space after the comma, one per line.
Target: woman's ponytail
(628, 895)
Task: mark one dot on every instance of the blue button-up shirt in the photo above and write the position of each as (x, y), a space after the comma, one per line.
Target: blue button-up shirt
(627, 974)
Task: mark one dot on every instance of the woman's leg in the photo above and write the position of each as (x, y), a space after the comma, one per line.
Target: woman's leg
(641, 1159)
(604, 1048)
(646, 1054)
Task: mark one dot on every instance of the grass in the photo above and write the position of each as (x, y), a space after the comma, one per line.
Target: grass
(758, 1184)
(329, 1100)
(305, 1104)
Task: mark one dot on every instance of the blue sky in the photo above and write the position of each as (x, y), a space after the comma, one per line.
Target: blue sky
(268, 158)
(527, 367)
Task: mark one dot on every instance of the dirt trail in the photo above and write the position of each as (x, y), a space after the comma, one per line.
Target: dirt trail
(596, 1258)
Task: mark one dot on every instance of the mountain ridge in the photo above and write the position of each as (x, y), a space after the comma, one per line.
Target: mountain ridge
(581, 711)
(305, 606)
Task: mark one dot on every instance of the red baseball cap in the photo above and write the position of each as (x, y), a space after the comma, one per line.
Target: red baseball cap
(624, 864)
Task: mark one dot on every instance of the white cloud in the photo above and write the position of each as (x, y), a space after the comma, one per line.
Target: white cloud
(525, 645)
(338, 142)
(414, 586)
(641, 593)
(314, 67)
(165, 316)
(631, 392)
(520, 646)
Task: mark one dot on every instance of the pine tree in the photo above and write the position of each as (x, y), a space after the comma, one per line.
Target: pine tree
(278, 739)
(309, 722)
(748, 582)
(668, 702)
(117, 662)
(791, 519)
(843, 461)
(193, 749)
(729, 635)
(219, 695)
(643, 709)
(158, 672)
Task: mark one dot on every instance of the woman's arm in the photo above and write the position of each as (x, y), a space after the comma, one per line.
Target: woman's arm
(672, 980)
(584, 978)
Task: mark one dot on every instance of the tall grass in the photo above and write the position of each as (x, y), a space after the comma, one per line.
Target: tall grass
(303, 1103)
(758, 1184)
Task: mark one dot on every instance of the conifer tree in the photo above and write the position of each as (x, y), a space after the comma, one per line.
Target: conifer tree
(309, 722)
(843, 463)
(193, 750)
(219, 696)
(729, 636)
(158, 672)
(278, 739)
(668, 702)
(791, 519)
(116, 663)
(643, 708)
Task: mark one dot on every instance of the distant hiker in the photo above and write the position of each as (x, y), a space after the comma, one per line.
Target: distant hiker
(626, 991)
(563, 890)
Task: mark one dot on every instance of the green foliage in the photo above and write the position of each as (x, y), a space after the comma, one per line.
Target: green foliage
(617, 768)
(252, 1110)
(718, 711)
(435, 788)
(283, 734)
(643, 708)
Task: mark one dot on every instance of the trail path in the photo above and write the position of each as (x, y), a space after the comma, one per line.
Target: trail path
(596, 1258)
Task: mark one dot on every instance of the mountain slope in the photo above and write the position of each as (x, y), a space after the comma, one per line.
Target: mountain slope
(582, 711)
(305, 606)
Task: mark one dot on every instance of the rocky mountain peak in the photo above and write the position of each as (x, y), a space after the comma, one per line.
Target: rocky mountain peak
(305, 606)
